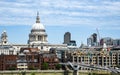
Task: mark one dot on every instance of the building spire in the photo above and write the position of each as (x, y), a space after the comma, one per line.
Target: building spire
(37, 18)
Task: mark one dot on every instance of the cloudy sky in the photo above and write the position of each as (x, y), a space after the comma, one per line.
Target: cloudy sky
(80, 17)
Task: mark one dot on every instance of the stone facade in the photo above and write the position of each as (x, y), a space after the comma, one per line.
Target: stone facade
(96, 57)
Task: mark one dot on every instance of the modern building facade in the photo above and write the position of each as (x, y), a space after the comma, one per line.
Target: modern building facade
(67, 37)
(116, 42)
(72, 43)
(67, 40)
(107, 40)
(92, 40)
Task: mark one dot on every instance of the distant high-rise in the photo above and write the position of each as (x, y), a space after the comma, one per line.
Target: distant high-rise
(116, 42)
(67, 37)
(94, 37)
(92, 40)
(107, 40)
(89, 41)
(72, 43)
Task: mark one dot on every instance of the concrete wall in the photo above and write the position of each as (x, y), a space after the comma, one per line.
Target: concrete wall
(50, 72)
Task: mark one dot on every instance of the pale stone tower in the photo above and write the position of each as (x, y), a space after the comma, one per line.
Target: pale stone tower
(4, 38)
(38, 33)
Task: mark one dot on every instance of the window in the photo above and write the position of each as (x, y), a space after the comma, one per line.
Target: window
(39, 38)
(41, 47)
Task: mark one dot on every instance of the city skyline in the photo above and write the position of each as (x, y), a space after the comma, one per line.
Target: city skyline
(80, 18)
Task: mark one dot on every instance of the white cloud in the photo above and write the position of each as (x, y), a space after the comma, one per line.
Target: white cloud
(60, 12)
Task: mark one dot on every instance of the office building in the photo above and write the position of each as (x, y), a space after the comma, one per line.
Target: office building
(92, 40)
(116, 42)
(67, 37)
(107, 40)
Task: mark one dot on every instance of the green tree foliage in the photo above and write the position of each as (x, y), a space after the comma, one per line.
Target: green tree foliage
(12, 68)
(118, 66)
(58, 66)
(23, 73)
(45, 66)
(32, 68)
(33, 73)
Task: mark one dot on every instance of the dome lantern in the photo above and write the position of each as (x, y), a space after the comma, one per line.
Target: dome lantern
(38, 25)
(37, 18)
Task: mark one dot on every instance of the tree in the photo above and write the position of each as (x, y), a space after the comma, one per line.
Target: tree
(23, 73)
(118, 66)
(33, 73)
(32, 68)
(12, 68)
(45, 66)
(58, 66)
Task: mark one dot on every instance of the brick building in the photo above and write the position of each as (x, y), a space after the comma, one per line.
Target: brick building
(8, 62)
(31, 58)
(50, 59)
(28, 58)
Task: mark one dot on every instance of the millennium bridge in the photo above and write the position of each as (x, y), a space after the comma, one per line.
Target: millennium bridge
(76, 66)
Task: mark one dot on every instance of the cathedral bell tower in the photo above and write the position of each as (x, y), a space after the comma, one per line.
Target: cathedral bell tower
(4, 38)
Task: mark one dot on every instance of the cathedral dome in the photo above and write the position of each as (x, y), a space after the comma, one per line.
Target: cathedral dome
(38, 26)
(38, 34)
